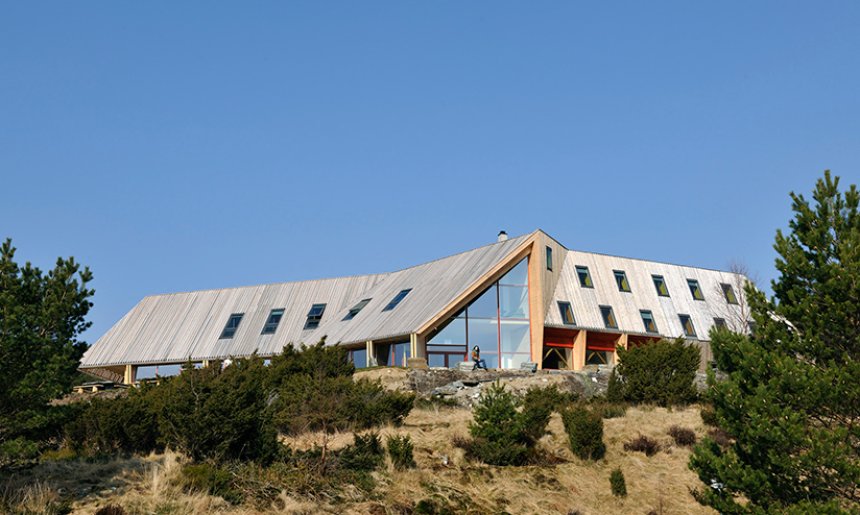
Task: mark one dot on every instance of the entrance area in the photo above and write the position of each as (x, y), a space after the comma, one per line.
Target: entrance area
(558, 347)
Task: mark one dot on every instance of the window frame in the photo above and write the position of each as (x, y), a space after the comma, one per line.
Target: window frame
(579, 271)
(549, 258)
(701, 294)
(655, 278)
(270, 327)
(562, 304)
(232, 330)
(605, 316)
(687, 334)
(621, 281)
(720, 323)
(397, 299)
(313, 321)
(642, 313)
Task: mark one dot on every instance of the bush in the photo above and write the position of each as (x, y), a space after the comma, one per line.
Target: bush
(662, 372)
(608, 409)
(498, 431)
(682, 436)
(584, 432)
(108, 426)
(400, 450)
(316, 392)
(617, 483)
(364, 454)
(642, 443)
(17, 450)
(211, 479)
(218, 415)
(719, 437)
(709, 416)
(537, 406)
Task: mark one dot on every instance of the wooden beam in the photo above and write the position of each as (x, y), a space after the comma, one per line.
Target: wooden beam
(578, 352)
(130, 376)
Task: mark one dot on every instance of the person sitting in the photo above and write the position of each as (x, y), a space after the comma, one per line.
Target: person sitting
(476, 357)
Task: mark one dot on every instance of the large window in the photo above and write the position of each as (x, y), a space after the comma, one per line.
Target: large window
(566, 311)
(355, 309)
(660, 284)
(232, 325)
(314, 316)
(584, 277)
(687, 324)
(695, 290)
(608, 317)
(729, 292)
(648, 321)
(393, 354)
(358, 357)
(396, 300)
(497, 322)
(273, 321)
(621, 281)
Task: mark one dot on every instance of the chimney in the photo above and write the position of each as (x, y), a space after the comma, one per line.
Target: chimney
(503, 236)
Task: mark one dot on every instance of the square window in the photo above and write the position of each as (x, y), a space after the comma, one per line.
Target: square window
(566, 313)
(584, 277)
(660, 284)
(549, 259)
(648, 320)
(720, 323)
(621, 281)
(608, 317)
(232, 325)
(272, 322)
(695, 290)
(314, 316)
(687, 324)
(396, 300)
(731, 298)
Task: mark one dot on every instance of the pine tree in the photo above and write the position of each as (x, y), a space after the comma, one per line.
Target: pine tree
(41, 317)
(791, 400)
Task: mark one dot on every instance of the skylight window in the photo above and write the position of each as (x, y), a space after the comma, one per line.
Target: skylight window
(584, 277)
(621, 280)
(648, 320)
(272, 323)
(687, 324)
(729, 292)
(314, 316)
(660, 284)
(396, 300)
(608, 317)
(232, 324)
(355, 309)
(566, 313)
(695, 290)
(549, 259)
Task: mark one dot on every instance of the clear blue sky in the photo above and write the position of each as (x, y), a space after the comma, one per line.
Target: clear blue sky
(204, 145)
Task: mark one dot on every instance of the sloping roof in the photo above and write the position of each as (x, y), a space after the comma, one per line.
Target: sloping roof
(643, 295)
(177, 327)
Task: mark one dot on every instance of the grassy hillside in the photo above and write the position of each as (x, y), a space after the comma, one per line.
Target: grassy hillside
(444, 479)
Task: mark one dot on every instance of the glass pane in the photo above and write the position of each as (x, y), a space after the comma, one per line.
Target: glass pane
(359, 358)
(485, 306)
(484, 334)
(513, 360)
(515, 337)
(519, 275)
(383, 354)
(452, 334)
(513, 302)
(400, 352)
(435, 360)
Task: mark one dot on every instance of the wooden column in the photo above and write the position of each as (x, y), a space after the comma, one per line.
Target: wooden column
(622, 341)
(417, 346)
(130, 376)
(578, 351)
(371, 354)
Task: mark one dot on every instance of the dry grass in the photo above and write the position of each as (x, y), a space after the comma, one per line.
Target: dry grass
(444, 475)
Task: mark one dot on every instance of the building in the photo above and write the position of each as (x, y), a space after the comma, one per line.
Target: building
(520, 300)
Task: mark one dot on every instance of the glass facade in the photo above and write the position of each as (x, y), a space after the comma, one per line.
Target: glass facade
(497, 322)
(393, 354)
